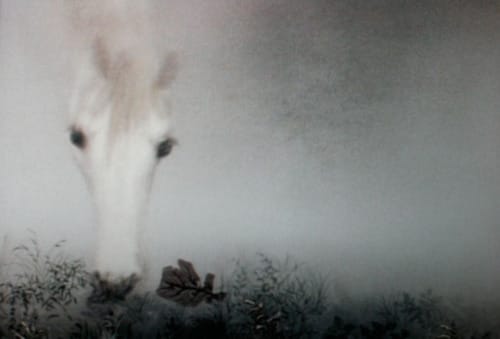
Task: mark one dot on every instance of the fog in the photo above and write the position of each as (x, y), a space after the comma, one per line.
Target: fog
(359, 137)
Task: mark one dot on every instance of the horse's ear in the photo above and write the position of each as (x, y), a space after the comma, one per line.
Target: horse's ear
(101, 58)
(168, 71)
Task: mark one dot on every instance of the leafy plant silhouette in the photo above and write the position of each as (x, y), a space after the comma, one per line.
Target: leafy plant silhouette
(183, 285)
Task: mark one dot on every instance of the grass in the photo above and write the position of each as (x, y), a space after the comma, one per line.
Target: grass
(267, 298)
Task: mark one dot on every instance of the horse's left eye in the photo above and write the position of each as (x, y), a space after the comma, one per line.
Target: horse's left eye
(164, 148)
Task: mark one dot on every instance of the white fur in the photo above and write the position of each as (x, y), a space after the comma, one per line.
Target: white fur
(124, 117)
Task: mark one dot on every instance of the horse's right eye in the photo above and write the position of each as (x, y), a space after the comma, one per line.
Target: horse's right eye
(165, 147)
(77, 138)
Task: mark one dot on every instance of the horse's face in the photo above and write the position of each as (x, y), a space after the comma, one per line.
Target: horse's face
(120, 130)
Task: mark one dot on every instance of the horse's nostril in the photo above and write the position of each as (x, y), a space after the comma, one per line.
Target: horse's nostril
(77, 138)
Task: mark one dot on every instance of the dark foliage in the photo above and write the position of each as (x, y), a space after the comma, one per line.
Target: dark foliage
(53, 297)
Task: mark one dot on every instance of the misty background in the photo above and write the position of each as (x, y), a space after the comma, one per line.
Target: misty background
(360, 137)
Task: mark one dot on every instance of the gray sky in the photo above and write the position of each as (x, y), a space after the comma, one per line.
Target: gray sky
(361, 137)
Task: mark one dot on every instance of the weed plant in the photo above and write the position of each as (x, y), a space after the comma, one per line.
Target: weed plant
(39, 298)
(276, 299)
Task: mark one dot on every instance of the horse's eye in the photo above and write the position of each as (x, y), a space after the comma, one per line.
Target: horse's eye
(77, 138)
(164, 148)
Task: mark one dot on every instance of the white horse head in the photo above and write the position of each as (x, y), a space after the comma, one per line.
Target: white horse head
(120, 128)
